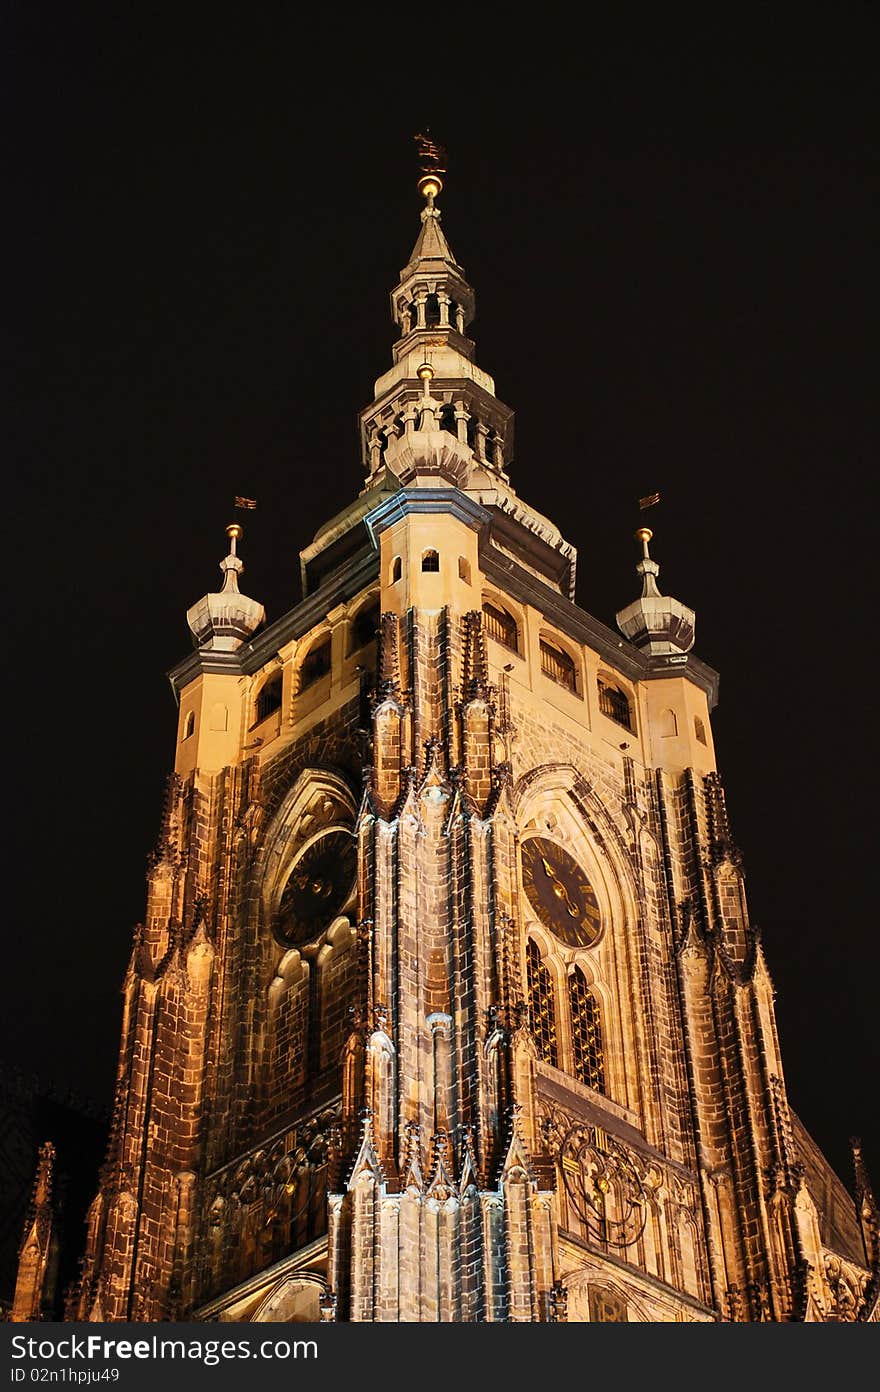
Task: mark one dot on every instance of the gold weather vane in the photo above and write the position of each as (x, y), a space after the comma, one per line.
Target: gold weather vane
(245, 503)
(650, 501)
(432, 157)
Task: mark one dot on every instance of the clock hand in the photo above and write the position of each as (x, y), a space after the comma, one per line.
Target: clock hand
(559, 889)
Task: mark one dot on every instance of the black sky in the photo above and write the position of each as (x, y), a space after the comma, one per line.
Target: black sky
(672, 240)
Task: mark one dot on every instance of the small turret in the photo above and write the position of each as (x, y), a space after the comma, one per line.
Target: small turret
(223, 621)
(656, 623)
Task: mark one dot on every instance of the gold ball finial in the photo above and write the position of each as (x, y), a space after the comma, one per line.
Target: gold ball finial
(426, 372)
(430, 185)
(644, 534)
(233, 531)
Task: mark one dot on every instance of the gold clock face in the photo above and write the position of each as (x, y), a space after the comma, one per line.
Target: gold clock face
(560, 893)
(319, 884)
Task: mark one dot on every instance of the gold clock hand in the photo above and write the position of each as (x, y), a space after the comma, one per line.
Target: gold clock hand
(559, 889)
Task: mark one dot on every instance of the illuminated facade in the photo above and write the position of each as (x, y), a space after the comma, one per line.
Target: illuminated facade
(447, 1004)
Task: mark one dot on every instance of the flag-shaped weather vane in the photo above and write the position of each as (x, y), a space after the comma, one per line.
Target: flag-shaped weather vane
(432, 157)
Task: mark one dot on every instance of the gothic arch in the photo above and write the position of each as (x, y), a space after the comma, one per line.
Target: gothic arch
(556, 801)
(320, 800)
(295, 1299)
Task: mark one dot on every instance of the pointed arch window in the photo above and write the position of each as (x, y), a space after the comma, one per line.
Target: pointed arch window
(588, 1053)
(542, 1005)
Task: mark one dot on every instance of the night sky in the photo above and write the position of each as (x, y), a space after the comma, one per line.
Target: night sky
(672, 239)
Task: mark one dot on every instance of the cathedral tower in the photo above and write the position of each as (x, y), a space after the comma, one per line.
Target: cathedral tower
(447, 1005)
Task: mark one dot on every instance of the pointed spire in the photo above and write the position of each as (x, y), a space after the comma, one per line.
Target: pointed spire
(33, 1282)
(868, 1209)
(224, 620)
(656, 623)
(433, 298)
(431, 243)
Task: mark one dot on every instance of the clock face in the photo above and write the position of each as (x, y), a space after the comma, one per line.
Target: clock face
(319, 884)
(560, 893)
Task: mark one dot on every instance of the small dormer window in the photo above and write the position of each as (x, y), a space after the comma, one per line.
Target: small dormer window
(268, 697)
(315, 664)
(558, 666)
(615, 703)
(430, 560)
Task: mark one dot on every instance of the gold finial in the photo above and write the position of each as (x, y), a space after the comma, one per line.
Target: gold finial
(426, 372)
(234, 530)
(644, 535)
(432, 162)
(429, 186)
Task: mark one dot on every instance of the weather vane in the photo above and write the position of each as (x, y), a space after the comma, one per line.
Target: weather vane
(432, 157)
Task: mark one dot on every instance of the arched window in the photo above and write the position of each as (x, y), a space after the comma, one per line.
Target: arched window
(542, 1005)
(432, 312)
(500, 625)
(667, 724)
(268, 697)
(364, 625)
(396, 569)
(607, 1306)
(430, 560)
(558, 666)
(189, 724)
(699, 729)
(586, 1033)
(315, 664)
(464, 570)
(615, 704)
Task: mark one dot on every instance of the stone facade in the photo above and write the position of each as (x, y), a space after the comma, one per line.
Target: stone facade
(370, 1072)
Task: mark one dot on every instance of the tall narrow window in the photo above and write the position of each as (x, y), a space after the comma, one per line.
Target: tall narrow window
(316, 664)
(615, 704)
(699, 729)
(268, 698)
(396, 570)
(542, 1006)
(189, 725)
(586, 1034)
(500, 625)
(558, 666)
(430, 560)
(364, 625)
